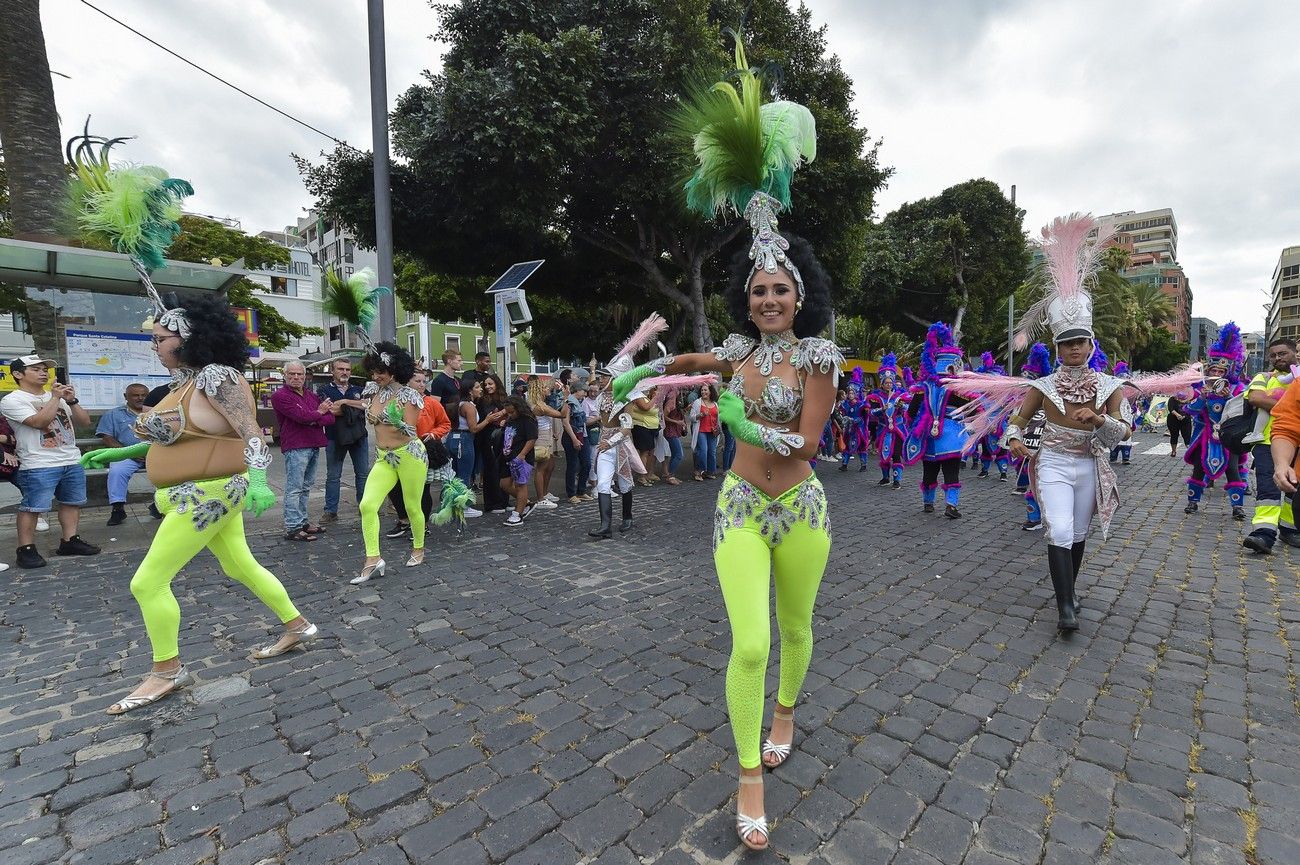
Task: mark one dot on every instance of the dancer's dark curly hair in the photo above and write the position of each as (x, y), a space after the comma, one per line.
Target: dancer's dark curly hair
(216, 336)
(401, 365)
(816, 314)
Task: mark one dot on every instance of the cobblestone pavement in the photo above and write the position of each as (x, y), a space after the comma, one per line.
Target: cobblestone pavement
(531, 697)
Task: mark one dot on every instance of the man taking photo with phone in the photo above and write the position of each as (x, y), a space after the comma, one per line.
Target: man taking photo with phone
(49, 461)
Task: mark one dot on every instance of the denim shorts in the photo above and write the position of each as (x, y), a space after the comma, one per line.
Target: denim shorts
(40, 487)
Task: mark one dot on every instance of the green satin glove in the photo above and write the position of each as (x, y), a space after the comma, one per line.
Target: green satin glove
(101, 457)
(774, 440)
(624, 384)
(260, 495)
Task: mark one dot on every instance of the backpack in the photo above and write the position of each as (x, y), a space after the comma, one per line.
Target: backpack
(1237, 423)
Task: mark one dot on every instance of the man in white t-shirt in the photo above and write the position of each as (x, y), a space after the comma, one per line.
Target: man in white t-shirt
(49, 461)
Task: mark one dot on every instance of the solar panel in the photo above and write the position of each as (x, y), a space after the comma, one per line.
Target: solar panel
(515, 276)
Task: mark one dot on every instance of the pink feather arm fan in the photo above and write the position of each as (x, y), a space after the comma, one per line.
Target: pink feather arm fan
(992, 400)
(1168, 383)
(1069, 260)
(642, 337)
(676, 381)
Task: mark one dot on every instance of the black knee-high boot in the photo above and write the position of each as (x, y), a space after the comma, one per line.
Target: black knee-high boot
(627, 513)
(1060, 562)
(1076, 554)
(605, 502)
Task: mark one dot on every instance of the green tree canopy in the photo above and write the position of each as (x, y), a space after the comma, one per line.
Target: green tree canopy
(1161, 352)
(955, 257)
(545, 135)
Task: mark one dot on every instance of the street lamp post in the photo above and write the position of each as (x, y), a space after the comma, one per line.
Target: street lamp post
(383, 192)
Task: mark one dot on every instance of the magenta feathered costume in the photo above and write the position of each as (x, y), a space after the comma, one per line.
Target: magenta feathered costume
(1208, 457)
(889, 409)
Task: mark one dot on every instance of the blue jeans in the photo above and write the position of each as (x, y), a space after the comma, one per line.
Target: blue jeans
(119, 478)
(64, 484)
(577, 467)
(299, 478)
(675, 455)
(706, 452)
(359, 451)
(728, 449)
(461, 446)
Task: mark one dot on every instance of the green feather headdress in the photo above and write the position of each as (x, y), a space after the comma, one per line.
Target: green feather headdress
(135, 208)
(354, 299)
(743, 145)
(748, 152)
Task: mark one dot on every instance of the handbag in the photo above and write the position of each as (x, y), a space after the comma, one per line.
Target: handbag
(349, 426)
(439, 456)
(1237, 422)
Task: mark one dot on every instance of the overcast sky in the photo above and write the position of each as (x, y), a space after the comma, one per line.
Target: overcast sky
(1095, 106)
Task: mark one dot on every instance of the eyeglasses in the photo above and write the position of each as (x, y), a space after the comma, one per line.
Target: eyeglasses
(159, 340)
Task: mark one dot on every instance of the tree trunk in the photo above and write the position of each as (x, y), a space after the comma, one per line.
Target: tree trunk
(965, 296)
(699, 319)
(29, 125)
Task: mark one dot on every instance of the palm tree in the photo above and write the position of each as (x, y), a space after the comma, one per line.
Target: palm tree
(863, 341)
(29, 125)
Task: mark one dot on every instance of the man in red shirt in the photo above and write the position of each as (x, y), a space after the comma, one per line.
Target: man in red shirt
(302, 416)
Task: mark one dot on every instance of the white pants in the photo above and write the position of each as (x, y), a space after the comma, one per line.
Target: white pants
(607, 473)
(1067, 493)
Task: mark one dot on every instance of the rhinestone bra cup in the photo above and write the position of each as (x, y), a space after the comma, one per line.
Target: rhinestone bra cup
(778, 403)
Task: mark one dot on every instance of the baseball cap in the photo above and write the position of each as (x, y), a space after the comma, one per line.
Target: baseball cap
(19, 364)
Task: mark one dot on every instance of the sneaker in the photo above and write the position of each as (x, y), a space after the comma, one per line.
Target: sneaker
(118, 516)
(897, 485)
(513, 520)
(929, 509)
(1259, 541)
(400, 530)
(550, 497)
(528, 509)
(545, 505)
(473, 512)
(42, 524)
(29, 557)
(1126, 462)
(983, 473)
(329, 517)
(75, 546)
(1032, 525)
(1003, 477)
(1239, 514)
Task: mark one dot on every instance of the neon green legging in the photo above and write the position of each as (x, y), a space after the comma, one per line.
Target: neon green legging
(411, 472)
(199, 514)
(754, 537)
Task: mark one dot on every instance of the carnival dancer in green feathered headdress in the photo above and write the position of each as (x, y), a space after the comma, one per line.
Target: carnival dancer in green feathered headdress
(771, 518)
(202, 445)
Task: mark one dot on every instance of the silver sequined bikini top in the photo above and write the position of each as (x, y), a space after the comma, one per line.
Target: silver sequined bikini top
(779, 403)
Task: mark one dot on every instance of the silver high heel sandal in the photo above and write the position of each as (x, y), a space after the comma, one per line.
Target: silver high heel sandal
(771, 749)
(376, 570)
(303, 635)
(416, 558)
(746, 826)
(180, 677)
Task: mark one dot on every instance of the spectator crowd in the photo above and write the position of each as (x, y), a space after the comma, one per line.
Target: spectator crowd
(502, 443)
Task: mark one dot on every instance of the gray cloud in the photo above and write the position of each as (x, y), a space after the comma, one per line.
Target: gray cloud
(1099, 106)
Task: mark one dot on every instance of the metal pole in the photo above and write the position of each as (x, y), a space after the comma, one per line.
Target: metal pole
(379, 134)
(1011, 337)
